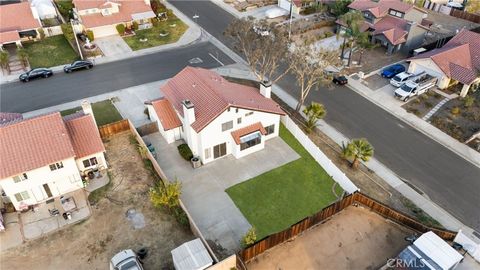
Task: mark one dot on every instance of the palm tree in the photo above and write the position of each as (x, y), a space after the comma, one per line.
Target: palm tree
(4, 58)
(314, 112)
(352, 21)
(23, 56)
(364, 43)
(357, 149)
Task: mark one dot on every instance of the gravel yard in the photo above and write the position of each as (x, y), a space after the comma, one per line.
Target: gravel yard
(122, 218)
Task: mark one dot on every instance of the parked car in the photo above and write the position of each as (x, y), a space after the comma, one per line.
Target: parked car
(81, 64)
(340, 80)
(125, 259)
(415, 87)
(399, 79)
(391, 71)
(35, 73)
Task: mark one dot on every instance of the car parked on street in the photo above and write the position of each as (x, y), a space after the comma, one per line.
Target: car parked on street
(80, 64)
(125, 259)
(35, 73)
(391, 71)
(340, 80)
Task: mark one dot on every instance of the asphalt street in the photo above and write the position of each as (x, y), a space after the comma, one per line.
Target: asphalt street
(448, 179)
(23, 97)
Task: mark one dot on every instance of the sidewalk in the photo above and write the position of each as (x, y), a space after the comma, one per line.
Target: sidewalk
(384, 100)
(191, 36)
(257, 13)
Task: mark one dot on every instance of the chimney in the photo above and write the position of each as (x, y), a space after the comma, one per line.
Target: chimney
(266, 89)
(87, 109)
(188, 112)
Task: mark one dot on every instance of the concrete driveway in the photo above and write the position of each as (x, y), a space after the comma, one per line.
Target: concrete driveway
(112, 45)
(203, 189)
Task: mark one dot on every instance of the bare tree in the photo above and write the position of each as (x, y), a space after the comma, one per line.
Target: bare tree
(263, 45)
(308, 66)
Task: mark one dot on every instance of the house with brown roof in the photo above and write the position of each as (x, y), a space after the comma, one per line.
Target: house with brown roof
(215, 117)
(457, 62)
(393, 24)
(45, 157)
(102, 16)
(18, 22)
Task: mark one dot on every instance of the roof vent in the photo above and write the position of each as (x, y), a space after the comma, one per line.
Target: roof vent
(194, 84)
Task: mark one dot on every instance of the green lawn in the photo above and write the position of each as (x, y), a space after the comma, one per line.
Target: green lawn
(50, 52)
(104, 111)
(153, 34)
(277, 199)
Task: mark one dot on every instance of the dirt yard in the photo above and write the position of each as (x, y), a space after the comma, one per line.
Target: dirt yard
(123, 218)
(356, 238)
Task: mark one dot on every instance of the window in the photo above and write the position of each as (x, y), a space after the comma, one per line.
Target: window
(90, 162)
(250, 140)
(395, 13)
(249, 113)
(208, 153)
(20, 178)
(270, 129)
(56, 166)
(236, 110)
(219, 150)
(227, 125)
(228, 109)
(22, 196)
(239, 120)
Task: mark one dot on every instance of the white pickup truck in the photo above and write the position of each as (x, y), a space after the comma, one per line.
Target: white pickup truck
(416, 86)
(403, 77)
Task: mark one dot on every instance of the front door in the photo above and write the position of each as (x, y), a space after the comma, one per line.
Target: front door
(219, 150)
(47, 190)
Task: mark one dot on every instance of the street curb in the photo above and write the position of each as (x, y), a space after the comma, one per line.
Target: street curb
(406, 121)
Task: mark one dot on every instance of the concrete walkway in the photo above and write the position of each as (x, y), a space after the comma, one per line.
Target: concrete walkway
(113, 45)
(203, 189)
(385, 100)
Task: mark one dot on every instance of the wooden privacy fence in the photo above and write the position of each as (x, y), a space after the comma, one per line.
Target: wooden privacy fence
(113, 128)
(277, 238)
(465, 15)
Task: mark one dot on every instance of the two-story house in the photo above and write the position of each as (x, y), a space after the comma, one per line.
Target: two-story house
(215, 117)
(102, 16)
(393, 24)
(44, 157)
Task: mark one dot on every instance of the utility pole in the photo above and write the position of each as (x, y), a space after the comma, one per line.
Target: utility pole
(291, 15)
(76, 40)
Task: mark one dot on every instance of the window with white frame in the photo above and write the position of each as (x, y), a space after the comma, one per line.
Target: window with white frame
(90, 162)
(22, 196)
(227, 125)
(20, 177)
(250, 140)
(396, 13)
(56, 166)
(270, 129)
(249, 113)
(239, 120)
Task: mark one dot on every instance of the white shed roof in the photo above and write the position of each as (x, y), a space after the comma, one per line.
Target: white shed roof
(191, 256)
(143, 15)
(438, 250)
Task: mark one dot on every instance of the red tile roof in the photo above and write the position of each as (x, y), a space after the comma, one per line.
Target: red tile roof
(10, 36)
(84, 136)
(380, 8)
(237, 134)
(126, 9)
(393, 28)
(17, 17)
(459, 58)
(166, 114)
(39, 141)
(9, 117)
(211, 95)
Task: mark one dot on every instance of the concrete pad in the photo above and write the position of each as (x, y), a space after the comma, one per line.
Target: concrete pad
(112, 45)
(203, 189)
(12, 236)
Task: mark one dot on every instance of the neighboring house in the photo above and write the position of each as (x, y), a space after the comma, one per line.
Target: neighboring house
(44, 157)
(214, 116)
(18, 22)
(393, 24)
(45, 9)
(298, 5)
(102, 16)
(458, 61)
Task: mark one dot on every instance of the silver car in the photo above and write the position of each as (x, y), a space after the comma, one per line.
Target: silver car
(125, 260)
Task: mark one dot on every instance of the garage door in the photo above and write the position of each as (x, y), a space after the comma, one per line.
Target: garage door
(103, 31)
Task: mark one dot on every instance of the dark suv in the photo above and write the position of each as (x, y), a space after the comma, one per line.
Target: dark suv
(35, 73)
(81, 64)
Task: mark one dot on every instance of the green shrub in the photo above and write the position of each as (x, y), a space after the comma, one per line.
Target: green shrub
(328, 34)
(250, 237)
(90, 35)
(468, 101)
(41, 32)
(67, 31)
(181, 216)
(135, 25)
(120, 28)
(185, 151)
(428, 105)
(455, 110)
(166, 195)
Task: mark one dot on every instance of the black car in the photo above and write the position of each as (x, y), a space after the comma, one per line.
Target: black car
(340, 80)
(35, 73)
(81, 64)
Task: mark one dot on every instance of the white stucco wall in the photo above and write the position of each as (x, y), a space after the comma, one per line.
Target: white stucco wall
(212, 134)
(100, 159)
(431, 68)
(60, 181)
(170, 135)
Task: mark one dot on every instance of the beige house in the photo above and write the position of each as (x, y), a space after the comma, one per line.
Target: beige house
(18, 22)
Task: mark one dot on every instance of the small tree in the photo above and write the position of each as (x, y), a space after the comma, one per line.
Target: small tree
(473, 6)
(23, 56)
(357, 149)
(314, 112)
(340, 7)
(4, 58)
(167, 195)
(90, 35)
(41, 32)
(135, 25)
(250, 237)
(120, 28)
(352, 21)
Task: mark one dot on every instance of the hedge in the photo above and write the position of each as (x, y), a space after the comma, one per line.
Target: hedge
(120, 28)
(185, 151)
